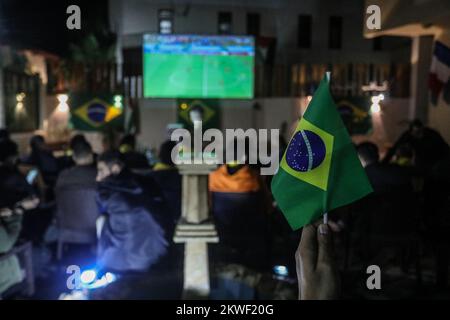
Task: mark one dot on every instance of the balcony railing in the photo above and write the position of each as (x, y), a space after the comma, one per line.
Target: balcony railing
(270, 81)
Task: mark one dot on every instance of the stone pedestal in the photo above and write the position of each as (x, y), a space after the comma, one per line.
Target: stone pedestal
(196, 230)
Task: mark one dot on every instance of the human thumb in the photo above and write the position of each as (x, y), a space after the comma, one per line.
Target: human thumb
(325, 245)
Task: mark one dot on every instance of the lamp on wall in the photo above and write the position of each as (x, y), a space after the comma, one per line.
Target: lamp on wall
(56, 127)
(20, 104)
(62, 103)
(375, 107)
(118, 101)
(20, 107)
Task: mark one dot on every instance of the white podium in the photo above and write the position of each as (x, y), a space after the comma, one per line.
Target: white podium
(195, 229)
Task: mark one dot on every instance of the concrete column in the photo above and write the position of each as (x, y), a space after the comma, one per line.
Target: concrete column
(116, 15)
(196, 270)
(195, 230)
(2, 102)
(421, 51)
(43, 110)
(195, 198)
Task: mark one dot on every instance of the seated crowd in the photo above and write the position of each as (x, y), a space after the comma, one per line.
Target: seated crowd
(123, 208)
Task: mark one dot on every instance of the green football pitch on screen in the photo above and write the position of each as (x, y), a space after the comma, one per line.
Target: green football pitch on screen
(179, 66)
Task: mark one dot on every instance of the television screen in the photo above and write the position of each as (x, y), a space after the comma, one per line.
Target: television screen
(191, 66)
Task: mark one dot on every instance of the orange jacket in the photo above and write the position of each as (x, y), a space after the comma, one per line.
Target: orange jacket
(243, 180)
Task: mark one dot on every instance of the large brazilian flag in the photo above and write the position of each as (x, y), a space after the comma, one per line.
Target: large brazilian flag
(96, 112)
(320, 170)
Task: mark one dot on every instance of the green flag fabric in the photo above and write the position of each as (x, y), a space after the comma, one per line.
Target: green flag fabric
(320, 169)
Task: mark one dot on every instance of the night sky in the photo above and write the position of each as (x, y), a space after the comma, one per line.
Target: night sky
(42, 24)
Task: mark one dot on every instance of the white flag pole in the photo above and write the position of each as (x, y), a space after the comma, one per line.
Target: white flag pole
(325, 218)
(325, 215)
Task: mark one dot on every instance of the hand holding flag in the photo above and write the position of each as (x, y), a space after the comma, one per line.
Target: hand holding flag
(317, 273)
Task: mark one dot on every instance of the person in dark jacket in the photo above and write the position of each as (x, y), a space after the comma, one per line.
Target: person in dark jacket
(13, 186)
(383, 177)
(428, 145)
(4, 135)
(134, 236)
(16, 196)
(67, 160)
(167, 177)
(43, 159)
(81, 176)
(84, 173)
(131, 157)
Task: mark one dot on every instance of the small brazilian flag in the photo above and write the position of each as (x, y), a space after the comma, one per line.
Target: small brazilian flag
(210, 112)
(320, 170)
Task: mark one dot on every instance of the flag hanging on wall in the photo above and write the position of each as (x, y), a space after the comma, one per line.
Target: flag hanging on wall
(95, 113)
(210, 110)
(320, 169)
(355, 113)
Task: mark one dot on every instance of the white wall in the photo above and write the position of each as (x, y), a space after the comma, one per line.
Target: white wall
(388, 125)
(156, 114)
(279, 19)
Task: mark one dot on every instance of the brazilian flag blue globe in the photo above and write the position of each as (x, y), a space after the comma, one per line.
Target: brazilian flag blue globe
(320, 170)
(96, 112)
